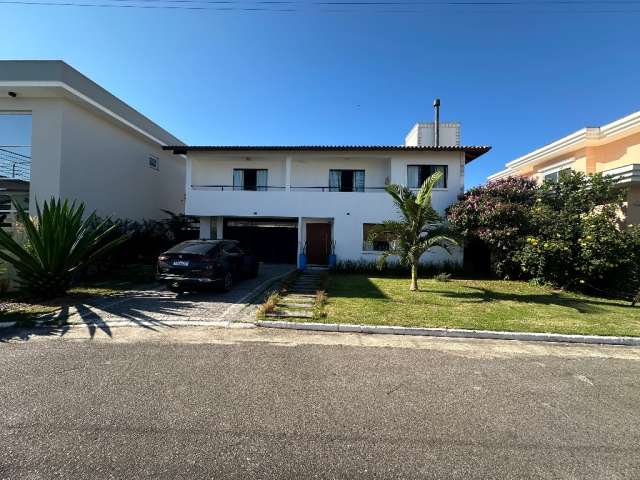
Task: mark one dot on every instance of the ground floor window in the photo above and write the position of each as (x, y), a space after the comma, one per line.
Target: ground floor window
(346, 180)
(254, 179)
(378, 244)
(417, 174)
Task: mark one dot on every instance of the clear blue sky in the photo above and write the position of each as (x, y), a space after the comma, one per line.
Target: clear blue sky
(516, 75)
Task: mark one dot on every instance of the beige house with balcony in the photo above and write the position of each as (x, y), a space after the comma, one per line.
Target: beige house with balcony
(612, 149)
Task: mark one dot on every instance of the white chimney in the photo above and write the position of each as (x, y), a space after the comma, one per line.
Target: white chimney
(423, 135)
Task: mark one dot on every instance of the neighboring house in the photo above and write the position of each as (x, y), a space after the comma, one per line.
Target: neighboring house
(281, 200)
(613, 149)
(87, 144)
(12, 190)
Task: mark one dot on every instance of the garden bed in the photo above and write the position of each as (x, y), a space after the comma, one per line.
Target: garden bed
(475, 304)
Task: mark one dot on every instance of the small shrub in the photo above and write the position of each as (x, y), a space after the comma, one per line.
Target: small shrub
(269, 304)
(392, 269)
(442, 277)
(319, 304)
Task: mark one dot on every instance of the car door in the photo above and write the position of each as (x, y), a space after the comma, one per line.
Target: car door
(234, 257)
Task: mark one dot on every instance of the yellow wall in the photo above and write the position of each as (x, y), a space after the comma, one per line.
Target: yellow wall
(625, 151)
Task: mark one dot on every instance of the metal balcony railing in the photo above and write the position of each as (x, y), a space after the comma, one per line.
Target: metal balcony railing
(228, 188)
(15, 162)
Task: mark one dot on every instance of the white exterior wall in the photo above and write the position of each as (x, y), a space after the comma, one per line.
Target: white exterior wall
(348, 211)
(442, 197)
(313, 171)
(423, 134)
(219, 171)
(81, 155)
(107, 166)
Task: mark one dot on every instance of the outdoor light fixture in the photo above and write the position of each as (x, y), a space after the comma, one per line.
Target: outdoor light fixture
(13, 94)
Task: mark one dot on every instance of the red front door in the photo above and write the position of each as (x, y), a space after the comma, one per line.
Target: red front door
(318, 243)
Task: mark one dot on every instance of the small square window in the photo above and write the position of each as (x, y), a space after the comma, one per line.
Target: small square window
(154, 162)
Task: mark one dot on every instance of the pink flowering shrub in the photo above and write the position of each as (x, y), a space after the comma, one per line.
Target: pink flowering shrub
(498, 214)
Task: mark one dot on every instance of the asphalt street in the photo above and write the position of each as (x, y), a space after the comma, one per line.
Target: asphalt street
(222, 403)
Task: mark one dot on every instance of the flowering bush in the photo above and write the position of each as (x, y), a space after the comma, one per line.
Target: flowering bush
(566, 233)
(577, 240)
(499, 215)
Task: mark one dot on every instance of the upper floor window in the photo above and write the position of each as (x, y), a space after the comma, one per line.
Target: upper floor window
(417, 174)
(254, 179)
(555, 176)
(346, 180)
(154, 162)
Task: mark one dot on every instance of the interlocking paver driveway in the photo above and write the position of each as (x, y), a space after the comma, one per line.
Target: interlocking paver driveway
(157, 305)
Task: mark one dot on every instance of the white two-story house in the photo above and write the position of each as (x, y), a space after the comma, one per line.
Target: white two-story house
(284, 200)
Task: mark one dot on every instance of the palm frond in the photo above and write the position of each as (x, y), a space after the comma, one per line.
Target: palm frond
(58, 244)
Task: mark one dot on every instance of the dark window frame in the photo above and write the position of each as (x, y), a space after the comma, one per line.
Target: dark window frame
(425, 171)
(345, 172)
(252, 187)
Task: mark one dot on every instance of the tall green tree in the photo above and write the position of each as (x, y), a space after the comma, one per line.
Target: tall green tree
(419, 229)
(59, 243)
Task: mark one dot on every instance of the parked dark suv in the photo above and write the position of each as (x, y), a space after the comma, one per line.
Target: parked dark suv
(200, 263)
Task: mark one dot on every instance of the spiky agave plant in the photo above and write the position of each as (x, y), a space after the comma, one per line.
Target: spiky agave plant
(419, 228)
(59, 243)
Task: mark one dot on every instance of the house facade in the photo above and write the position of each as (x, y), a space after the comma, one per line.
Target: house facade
(317, 200)
(85, 144)
(612, 149)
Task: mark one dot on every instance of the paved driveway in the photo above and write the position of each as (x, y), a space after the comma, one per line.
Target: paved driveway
(158, 306)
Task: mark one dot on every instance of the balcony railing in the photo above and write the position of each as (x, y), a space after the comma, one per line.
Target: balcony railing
(15, 162)
(336, 189)
(228, 188)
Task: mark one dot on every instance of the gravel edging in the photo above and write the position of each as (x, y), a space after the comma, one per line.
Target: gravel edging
(453, 332)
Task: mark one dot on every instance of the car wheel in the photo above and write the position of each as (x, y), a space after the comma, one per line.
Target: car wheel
(175, 287)
(227, 282)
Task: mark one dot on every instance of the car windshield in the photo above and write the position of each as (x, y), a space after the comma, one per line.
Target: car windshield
(197, 248)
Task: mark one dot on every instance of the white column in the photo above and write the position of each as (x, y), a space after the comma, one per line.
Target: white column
(287, 179)
(205, 228)
(219, 227)
(187, 182)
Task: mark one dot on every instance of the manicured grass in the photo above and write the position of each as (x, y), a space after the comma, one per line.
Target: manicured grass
(475, 304)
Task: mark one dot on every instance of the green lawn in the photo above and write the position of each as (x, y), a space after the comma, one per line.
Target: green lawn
(475, 304)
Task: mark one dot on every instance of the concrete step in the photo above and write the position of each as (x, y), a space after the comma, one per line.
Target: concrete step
(290, 314)
(310, 299)
(300, 306)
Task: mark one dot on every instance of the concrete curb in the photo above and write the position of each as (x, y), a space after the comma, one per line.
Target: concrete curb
(150, 324)
(453, 332)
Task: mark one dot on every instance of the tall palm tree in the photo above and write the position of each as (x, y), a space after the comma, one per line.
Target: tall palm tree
(419, 229)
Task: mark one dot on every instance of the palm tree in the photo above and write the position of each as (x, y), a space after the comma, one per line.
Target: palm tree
(419, 229)
(59, 244)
